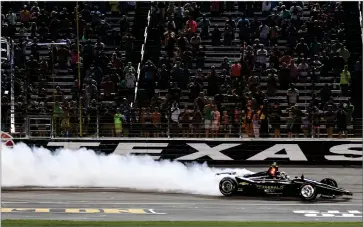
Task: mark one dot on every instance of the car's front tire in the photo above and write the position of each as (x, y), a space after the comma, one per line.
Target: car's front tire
(228, 186)
(308, 192)
(329, 181)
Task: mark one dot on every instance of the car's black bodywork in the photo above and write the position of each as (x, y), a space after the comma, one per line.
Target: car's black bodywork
(262, 183)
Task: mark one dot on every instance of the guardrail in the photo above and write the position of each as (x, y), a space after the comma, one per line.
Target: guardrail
(142, 58)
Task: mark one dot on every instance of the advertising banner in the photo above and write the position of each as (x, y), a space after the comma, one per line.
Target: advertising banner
(221, 151)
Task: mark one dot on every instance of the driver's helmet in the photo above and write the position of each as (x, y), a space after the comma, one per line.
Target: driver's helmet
(273, 169)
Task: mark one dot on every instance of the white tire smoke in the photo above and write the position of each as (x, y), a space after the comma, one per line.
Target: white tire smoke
(23, 166)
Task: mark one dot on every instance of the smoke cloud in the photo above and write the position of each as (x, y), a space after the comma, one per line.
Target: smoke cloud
(23, 166)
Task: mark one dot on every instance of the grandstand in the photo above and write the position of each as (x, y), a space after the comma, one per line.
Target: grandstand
(47, 78)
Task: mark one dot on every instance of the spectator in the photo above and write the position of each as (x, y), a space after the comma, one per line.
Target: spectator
(341, 122)
(25, 16)
(225, 64)
(338, 65)
(315, 116)
(349, 109)
(248, 124)
(227, 36)
(185, 122)
(213, 82)
(243, 25)
(148, 121)
(130, 79)
(263, 118)
(230, 22)
(192, 25)
(208, 108)
(204, 24)
(315, 47)
(272, 84)
(174, 92)
(303, 70)
(330, 121)
(156, 120)
(344, 53)
(325, 94)
(293, 71)
(236, 69)
(316, 66)
(195, 41)
(345, 81)
(200, 58)
(302, 48)
(292, 95)
(215, 9)
(256, 125)
(226, 124)
(261, 57)
(216, 121)
(264, 31)
(175, 113)
(306, 125)
(275, 119)
(197, 121)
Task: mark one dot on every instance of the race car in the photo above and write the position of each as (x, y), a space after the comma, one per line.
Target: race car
(275, 183)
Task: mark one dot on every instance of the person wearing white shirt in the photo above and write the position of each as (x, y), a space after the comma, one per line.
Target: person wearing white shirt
(11, 17)
(130, 79)
(175, 113)
(303, 70)
(261, 57)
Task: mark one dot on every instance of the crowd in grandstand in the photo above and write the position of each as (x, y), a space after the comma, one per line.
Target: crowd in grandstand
(291, 75)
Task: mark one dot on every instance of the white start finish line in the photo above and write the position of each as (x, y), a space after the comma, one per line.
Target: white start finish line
(330, 213)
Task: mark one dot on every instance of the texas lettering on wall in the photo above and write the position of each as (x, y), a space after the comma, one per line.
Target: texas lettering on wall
(223, 152)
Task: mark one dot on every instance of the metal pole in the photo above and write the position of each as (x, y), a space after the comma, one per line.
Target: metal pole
(12, 84)
(79, 73)
(53, 72)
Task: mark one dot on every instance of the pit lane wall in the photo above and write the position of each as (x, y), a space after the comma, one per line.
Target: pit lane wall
(221, 151)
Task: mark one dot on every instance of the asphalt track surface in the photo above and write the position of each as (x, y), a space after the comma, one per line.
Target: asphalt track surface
(112, 205)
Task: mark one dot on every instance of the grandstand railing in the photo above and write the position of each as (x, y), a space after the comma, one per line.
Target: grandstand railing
(142, 57)
(48, 126)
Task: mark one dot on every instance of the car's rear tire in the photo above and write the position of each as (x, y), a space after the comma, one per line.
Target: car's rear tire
(308, 192)
(228, 186)
(329, 181)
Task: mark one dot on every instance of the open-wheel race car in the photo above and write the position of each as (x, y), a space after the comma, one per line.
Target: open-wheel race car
(275, 183)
